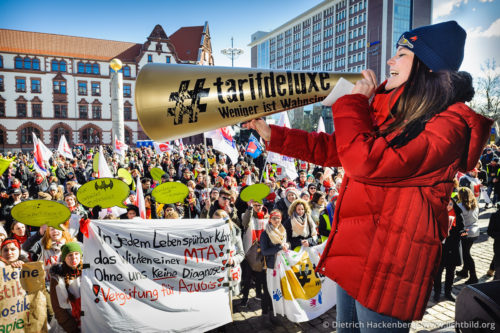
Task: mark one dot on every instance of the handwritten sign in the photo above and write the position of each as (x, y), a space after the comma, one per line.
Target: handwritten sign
(105, 192)
(255, 192)
(39, 212)
(169, 269)
(170, 192)
(23, 306)
(156, 173)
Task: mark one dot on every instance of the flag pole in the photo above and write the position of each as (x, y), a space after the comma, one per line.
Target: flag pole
(265, 166)
(206, 160)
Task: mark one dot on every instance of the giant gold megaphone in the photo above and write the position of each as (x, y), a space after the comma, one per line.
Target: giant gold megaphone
(175, 101)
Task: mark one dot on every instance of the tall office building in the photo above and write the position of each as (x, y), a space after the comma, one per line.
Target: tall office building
(340, 36)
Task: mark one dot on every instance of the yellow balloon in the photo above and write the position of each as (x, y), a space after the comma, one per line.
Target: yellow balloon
(116, 64)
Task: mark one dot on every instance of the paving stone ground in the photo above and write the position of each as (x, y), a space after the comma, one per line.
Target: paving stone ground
(438, 317)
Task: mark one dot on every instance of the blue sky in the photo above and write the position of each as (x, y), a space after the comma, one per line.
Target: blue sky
(133, 21)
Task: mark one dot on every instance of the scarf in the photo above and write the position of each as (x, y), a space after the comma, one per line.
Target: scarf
(276, 235)
(21, 239)
(303, 226)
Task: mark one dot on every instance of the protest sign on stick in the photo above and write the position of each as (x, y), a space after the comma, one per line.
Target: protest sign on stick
(39, 212)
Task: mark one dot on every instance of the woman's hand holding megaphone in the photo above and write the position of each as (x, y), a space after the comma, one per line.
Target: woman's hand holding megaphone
(261, 127)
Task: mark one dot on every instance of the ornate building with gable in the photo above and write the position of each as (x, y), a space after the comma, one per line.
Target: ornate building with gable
(56, 84)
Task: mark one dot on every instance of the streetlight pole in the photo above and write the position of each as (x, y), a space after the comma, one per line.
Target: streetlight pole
(232, 52)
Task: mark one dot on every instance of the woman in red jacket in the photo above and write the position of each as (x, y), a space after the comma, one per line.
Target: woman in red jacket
(401, 145)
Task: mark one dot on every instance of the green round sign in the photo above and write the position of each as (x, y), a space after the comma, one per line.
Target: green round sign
(127, 177)
(156, 173)
(95, 162)
(104, 192)
(170, 192)
(39, 212)
(255, 192)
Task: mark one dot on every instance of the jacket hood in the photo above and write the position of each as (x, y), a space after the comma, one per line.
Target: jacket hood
(294, 204)
(479, 132)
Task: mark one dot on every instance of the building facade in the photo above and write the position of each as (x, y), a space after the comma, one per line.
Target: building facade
(340, 36)
(55, 84)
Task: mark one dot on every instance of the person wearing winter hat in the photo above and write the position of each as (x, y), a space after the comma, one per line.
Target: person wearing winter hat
(291, 194)
(65, 288)
(400, 143)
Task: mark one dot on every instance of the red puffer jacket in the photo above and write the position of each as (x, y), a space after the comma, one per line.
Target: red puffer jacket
(391, 214)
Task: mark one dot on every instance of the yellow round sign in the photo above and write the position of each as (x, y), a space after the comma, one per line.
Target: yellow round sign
(95, 162)
(39, 212)
(104, 192)
(170, 192)
(127, 177)
(156, 173)
(255, 192)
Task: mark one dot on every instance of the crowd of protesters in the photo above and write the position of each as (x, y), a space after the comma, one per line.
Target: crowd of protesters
(300, 212)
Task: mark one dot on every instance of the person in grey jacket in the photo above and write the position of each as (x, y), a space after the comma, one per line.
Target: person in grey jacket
(470, 212)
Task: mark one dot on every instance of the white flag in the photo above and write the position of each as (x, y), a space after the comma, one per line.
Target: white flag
(103, 167)
(63, 148)
(46, 152)
(39, 158)
(139, 199)
(286, 162)
(120, 147)
(178, 143)
(161, 148)
(321, 125)
(222, 140)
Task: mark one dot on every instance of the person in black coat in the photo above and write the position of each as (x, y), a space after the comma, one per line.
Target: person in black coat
(494, 232)
(451, 254)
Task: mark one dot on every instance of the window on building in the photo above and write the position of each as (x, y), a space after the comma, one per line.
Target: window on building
(36, 64)
(127, 112)
(83, 111)
(60, 111)
(20, 84)
(127, 90)
(62, 66)
(128, 137)
(2, 88)
(90, 135)
(58, 133)
(59, 87)
(150, 58)
(18, 62)
(2, 137)
(96, 111)
(54, 65)
(1, 61)
(27, 136)
(96, 89)
(27, 63)
(88, 68)
(126, 71)
(36, 86)
(82, 88)
(81, 67)
(95, 69)
(36, 110)
(2, 108)
(168, 59)
(21, 109)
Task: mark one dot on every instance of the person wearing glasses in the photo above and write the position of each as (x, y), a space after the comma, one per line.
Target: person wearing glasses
(224, 203)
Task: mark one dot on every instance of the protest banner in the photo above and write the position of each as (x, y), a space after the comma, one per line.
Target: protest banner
(297, 291)
(23, 306)
(105, 192)
(39, 212)
(163, 275)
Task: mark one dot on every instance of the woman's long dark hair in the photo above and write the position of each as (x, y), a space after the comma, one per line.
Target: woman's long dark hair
(425, 94)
